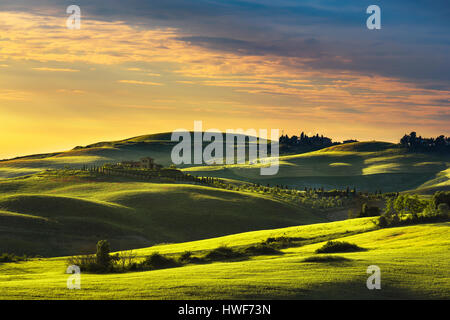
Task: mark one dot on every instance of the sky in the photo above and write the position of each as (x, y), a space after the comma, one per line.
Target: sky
(139, 67)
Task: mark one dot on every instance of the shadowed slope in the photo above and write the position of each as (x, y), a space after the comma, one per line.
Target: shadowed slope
(72, 215)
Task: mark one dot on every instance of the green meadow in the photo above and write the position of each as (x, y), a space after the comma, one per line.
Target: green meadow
(55, 213)
(50, 210)
(368, 166)
(414, 263)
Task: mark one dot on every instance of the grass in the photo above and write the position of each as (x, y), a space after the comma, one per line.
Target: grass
(369, 166)
(58, 213)
(414, 264)
(326, 259)
(66, 212)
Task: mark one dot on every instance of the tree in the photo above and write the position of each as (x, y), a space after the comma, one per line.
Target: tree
(103, 257)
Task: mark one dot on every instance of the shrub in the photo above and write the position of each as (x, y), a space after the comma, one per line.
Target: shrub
(86, 263)
(223, 253)
(101, 262)
(186, 257)
(124, 259)
(282, 242)
(260, 249)
(338, 246)
(158, 261)
(325, 259)
(9, 257)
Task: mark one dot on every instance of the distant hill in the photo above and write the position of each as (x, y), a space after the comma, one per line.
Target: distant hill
(368, 166)
(158, 146)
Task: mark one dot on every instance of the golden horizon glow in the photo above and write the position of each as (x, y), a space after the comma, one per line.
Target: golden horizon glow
(61, 88)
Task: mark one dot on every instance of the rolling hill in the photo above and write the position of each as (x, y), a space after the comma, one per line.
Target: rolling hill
(368, 166)
(55, 214)
(413, 260)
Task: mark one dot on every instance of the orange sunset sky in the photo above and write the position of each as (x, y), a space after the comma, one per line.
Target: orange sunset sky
(124, 74)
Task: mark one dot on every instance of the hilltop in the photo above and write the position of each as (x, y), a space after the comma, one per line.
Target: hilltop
(368, 166)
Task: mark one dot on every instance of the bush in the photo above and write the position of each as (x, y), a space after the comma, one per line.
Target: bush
(186, 257)
(223, 253)
(325, 259)
(260, 249)
(9, 257)
(282, 242)
(124, 260)
(86, 263)
(338, 246)
(101, 262)
(158, 261)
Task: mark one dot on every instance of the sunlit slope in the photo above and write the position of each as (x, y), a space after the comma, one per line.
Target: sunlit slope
(414, 264)
(440, 182)
(52, 215)
(158, 146)
(369, 166)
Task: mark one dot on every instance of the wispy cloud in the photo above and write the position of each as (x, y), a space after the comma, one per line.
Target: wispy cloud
(145, 83)
(17, 95)
(46, 69)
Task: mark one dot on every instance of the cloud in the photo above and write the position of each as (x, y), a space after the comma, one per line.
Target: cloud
(16, 95)
(146, 83)
(55, 69)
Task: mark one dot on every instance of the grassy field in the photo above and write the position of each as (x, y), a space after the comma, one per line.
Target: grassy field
(414, 263)
(56, 213)
(368, 166)
(66, 212)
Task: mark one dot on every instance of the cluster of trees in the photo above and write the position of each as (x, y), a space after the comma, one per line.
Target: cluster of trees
(304, 142)
(139, 173)
(417, 143)
(316, 198)
(409, 209)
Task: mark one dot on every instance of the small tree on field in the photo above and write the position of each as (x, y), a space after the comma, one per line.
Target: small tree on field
(103, 257)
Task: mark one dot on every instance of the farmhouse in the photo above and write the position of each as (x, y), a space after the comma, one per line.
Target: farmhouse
(144, 163)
